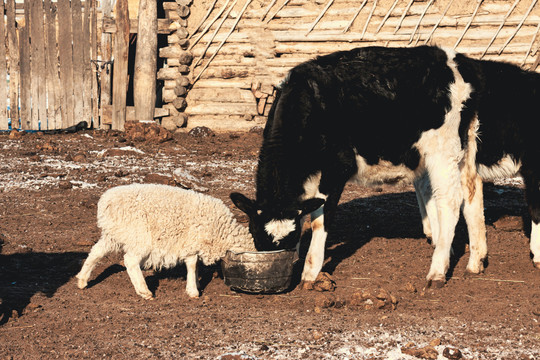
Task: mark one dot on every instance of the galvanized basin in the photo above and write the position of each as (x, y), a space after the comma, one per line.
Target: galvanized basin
(259, 272)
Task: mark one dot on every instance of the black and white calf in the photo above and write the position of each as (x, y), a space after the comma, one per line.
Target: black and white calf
(504, 103)
(364, 116)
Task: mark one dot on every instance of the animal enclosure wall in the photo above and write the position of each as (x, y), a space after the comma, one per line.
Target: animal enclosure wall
(47, 77)
(243, 49)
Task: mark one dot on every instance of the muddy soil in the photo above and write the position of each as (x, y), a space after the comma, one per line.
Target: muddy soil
(377, 258)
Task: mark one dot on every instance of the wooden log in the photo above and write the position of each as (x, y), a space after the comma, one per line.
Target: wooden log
(14, 72)
(182, 81)
(26, 82)
(220, 94)
(479, 3)
(168, 95)
(179, 103)
(183, 11)
(209, 25)
(165, 26)
(54, 91)
(4, 124)
(130, 113)
(180, 91)
(184, 57)
(105, 71)
(208, 12)
(217, 108)
(144, 89)
(120, 79)
(65, 50)
(225, 123)
(169, 73)
(312, 26)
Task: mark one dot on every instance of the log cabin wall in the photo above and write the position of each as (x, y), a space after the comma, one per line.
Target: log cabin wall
(237, 51)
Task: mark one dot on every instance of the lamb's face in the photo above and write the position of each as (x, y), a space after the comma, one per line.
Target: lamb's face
(274, 229)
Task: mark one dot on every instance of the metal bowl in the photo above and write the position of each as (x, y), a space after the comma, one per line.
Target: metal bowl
(259, 272)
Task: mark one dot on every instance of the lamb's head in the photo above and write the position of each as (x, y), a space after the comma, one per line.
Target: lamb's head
(275, 227)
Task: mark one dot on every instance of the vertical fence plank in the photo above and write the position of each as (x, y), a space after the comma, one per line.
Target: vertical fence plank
(26, 79)
(94, 55)
(39, 74)
(53, 80)
(120, 78)
(3, 73)
(66, 61)
(87, 71)
(13, 48)
(78, 61)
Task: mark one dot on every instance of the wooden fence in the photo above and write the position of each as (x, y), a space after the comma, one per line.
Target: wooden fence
(49, 77)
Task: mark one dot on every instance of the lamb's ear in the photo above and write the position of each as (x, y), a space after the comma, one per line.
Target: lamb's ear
(243, 203)
(310, 205)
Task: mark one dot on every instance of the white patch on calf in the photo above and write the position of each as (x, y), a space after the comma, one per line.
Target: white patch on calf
(506, 167)
(442, 155)
(278, 229)
(380, 173)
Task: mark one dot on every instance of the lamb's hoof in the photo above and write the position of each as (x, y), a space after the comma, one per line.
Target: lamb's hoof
(435, 284)
(307, 285)
(81, 284)
(147, 296)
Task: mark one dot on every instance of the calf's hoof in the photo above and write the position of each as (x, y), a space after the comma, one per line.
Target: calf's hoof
(536, 264)
(435, 284)
(307, 285)
(147, 296)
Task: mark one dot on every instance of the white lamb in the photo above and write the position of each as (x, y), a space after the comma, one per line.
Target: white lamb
(159, 226)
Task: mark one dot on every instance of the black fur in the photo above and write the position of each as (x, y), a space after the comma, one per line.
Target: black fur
(373, 101)
(506, 99)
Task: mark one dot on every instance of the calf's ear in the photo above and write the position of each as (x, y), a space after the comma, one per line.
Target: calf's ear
(310, 205)
(243, 203)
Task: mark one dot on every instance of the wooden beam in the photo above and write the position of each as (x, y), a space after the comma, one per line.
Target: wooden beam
(130, 113)
(3, 74)
(164, 26)
(144, 81)
(120, 78)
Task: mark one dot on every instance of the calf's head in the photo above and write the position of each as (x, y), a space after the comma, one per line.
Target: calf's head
(275, 228)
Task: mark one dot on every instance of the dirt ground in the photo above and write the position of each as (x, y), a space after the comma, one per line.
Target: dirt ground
(376, 255)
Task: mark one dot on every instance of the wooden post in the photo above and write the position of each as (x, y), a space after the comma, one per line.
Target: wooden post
(26, 78)
(39, 74)
(53, 81)
(78, 60)
(120, 77)
(65, 50)
(3, 74)
(13, 48)
(105, 68)
(144, 78)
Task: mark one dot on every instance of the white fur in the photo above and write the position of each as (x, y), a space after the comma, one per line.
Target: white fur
(159, 226)
(278, 229)
(506, 167)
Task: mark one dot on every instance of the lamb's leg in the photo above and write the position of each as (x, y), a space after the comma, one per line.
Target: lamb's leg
(133, 266)
(192, 278)
(99, 250)
(473, 212)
